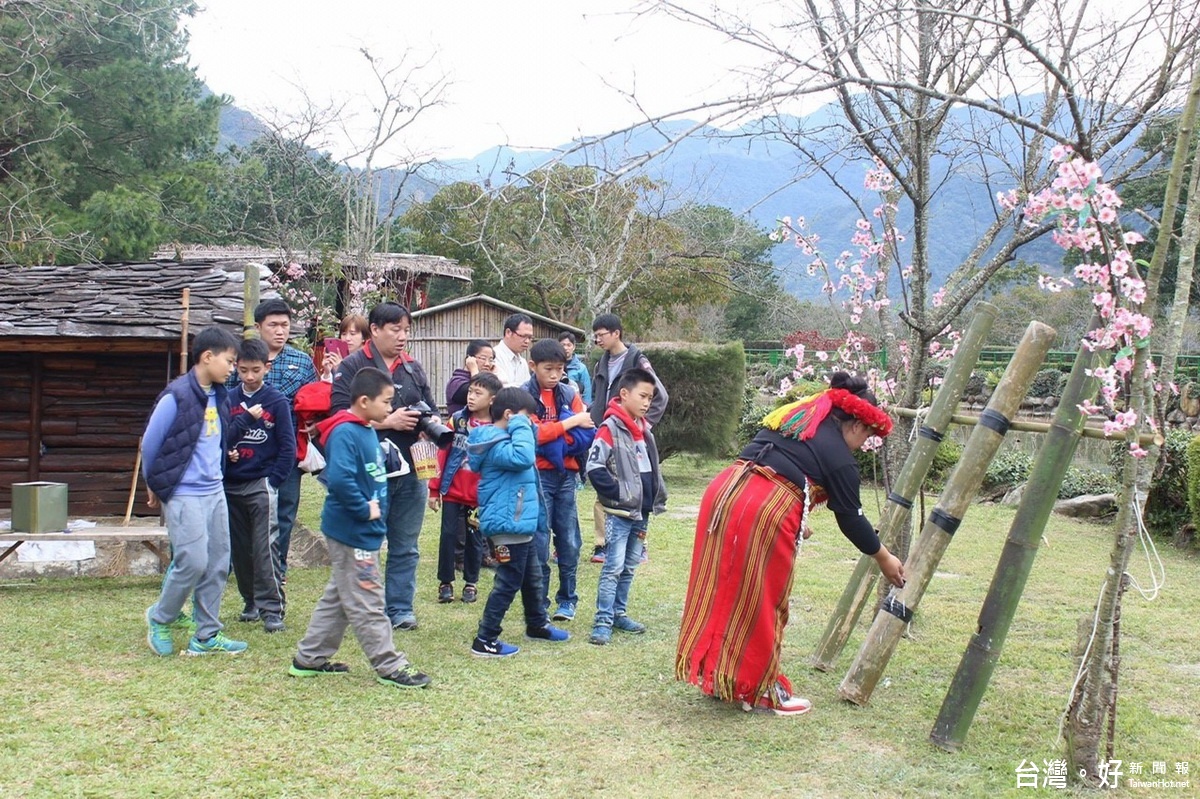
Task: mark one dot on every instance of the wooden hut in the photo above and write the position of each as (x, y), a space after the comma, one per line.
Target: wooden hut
(84, 351)
(440, 334)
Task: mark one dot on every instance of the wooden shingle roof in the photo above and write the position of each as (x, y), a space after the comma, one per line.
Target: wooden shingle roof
(119, 301)
(383, 262)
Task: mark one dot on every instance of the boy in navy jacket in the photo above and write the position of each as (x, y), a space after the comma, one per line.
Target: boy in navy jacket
(262, 453)
(510, 514)
(354, 523)
(183, 457)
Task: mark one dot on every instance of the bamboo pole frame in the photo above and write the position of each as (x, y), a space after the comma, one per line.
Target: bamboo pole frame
(979, 660)
(1021, 426)
(961, 489)
(896, 515)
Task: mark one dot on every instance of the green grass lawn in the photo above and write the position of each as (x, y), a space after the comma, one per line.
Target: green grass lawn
(88, 711)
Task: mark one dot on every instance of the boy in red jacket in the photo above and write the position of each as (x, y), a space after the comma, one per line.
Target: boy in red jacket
(455, 491)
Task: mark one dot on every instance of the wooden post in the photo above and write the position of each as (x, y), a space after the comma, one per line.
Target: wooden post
(1016, 560)
(933, 425)
(956, 498)
(183, 331)
(137, 466)
(251, 291)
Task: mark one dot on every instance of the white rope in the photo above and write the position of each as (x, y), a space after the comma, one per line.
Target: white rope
(1082, 665)
(916, 425)
(1158, 578)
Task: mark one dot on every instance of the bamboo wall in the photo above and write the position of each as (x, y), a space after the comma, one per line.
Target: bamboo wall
(439, 340)
(75, 418)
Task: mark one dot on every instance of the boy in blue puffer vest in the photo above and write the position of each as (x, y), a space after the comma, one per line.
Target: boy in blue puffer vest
(565, 430)
(183, 461)
(511, 515)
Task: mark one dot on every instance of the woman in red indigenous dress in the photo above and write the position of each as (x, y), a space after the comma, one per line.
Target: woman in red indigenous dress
(752, 519)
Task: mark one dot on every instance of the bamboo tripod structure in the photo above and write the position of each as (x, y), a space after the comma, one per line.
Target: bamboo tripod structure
(895, 517)
(961, 488)
(1016, 561)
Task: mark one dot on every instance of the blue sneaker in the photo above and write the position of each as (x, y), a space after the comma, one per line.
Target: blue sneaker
(628, 625)
(158, 635)
(492, 649)
(547, 633)
(565, 612)
(600, 635)
(183, 621)
(219, 644)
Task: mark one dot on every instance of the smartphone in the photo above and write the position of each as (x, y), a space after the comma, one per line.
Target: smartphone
(337, 345)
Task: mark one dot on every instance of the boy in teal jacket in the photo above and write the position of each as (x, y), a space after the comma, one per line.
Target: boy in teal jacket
(510, 514)
(354, 523)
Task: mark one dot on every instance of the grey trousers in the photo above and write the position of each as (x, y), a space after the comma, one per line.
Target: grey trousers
(353, 596)
(198, 529)
(253, 545)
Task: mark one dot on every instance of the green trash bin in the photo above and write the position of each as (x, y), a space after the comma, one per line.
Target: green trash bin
(39, 507)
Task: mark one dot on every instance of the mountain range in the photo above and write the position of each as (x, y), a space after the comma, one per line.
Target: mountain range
(750, 172)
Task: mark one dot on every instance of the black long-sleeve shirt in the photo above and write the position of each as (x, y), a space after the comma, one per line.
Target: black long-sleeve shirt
(825, 460)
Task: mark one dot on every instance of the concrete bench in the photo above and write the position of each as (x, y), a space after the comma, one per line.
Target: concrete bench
(153, 538)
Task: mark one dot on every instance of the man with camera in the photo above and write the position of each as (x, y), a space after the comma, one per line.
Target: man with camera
(390, 323)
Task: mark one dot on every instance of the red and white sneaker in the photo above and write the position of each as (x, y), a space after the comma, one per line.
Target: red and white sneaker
(779, 700)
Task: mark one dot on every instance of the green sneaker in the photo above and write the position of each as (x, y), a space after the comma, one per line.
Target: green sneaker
(328, 667)
(183, 621)
(158, 635)
(219, 644)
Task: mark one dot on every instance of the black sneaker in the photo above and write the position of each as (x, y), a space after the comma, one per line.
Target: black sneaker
(249, 613)
(445, 593)
(492, 649)
(328, 667)
(407, 677)
(272, 622)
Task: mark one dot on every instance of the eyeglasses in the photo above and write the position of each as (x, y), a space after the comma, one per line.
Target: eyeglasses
(525, 336)
(599, 334)
(483, 359)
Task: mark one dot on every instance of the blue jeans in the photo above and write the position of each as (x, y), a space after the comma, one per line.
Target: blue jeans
(558, 492)
(289, 503)
(520, 573)
(623, 542)
(406, 511)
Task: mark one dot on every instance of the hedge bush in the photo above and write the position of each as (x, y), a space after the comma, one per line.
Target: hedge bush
(705, 383)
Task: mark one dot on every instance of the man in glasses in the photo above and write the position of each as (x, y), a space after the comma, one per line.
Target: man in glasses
(512, 365)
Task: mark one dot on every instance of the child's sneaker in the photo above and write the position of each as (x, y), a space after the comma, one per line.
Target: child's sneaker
(273, 623)
(547, 633)
(598, 555)
(158, 635)
(328, 667)
(492, 649)
(600, 635)
(183, 621)
(219, 644)
(565, 612)
(407, 677)
(470, 593)
(628, 625)
(249, 614)
(445, 593)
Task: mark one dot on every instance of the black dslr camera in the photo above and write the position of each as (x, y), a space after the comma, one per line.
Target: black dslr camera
(437, 432)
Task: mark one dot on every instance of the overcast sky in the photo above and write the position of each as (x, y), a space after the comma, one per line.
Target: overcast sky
(529, 73)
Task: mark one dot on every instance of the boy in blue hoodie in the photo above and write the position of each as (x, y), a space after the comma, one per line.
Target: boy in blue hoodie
(354, 523)
(183, 458)
(623, 466)
(510, 515)
(262, 453)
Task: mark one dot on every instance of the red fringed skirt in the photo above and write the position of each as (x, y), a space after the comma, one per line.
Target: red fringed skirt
(742, 568)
